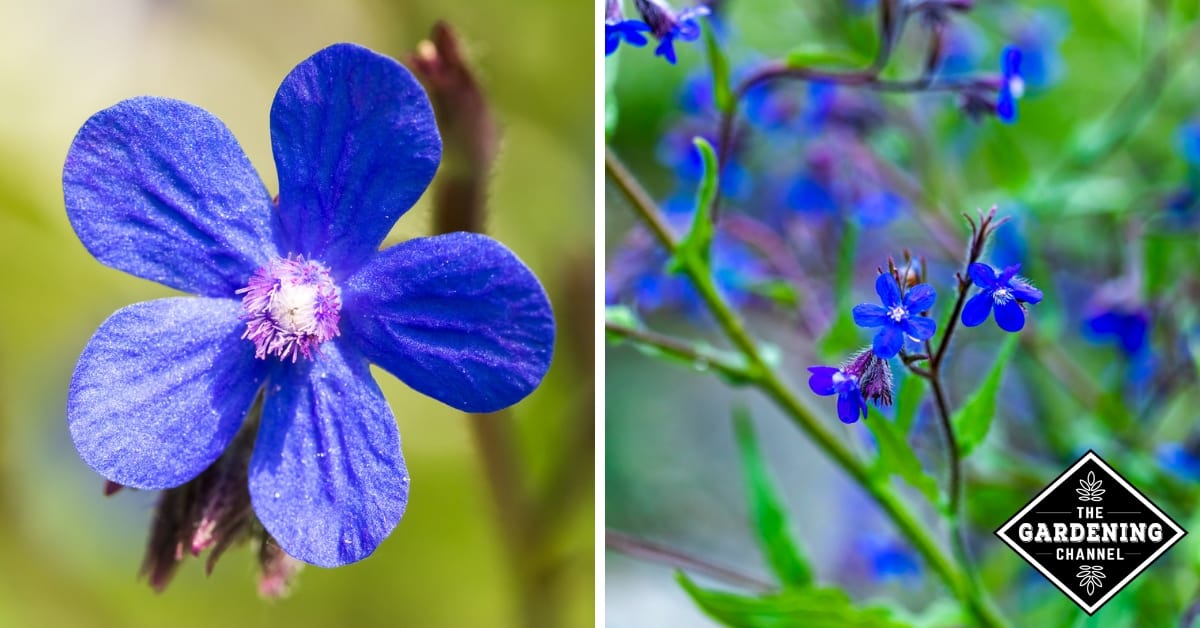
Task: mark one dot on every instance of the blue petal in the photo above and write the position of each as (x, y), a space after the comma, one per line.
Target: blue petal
(161, 389)
(1006, 106)
(327, 478)
(850, 405)
(888, 290)
(612, 39)
(1022, 290)
(982, 275)
(977, 309)
(888, 341)
(161, 189)
(355, 145)
(920, 327)
(457, 317)
(1007, 274)
(1011, 61)
(869, 315)
(821, 380)
(919, 298)
(666, 49)
(1010, 316)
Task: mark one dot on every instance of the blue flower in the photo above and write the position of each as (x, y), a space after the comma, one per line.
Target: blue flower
(1007, 292)
(1188, 138)
(628, 30)
(1180, 460)
(668, 26)
(1128, 326)
(293, 300)
(864, 376)
(899, 315)
(828, 380)
(1012, 86)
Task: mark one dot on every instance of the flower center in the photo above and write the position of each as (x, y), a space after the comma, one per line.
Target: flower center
(1001, 296)
(1016, 86)
(897, 313)
(291, 306)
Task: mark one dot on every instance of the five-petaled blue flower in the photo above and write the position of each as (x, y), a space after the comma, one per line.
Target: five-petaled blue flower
(1012, 86)
(294, 299)
(1006, 292)
(829, 380)
(628, 30)
(899, 315)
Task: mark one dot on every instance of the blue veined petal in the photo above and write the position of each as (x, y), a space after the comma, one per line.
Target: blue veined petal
(1007, 274)
(888, 290)
(457, 317)
(161, 389)
(821, 380)
(1009, 316)
(920, 327)
(161, 189)
(919, 298)
(888, 341)
(977, 309)
(869, 315)
(355, 145)
(982, 275)
(327, 478)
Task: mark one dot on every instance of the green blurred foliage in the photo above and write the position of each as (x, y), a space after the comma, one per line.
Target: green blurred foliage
(70, 556)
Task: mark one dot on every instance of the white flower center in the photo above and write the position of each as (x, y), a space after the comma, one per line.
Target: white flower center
(294, 308)
(897, 313)
(1001, 296)
(1016, 86)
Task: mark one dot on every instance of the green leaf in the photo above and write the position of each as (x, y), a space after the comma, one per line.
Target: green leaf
(696, 246)
(811, 608)
(770, 518)
(908, 400)
(896, 457)
(778, 291)
(1165, 254)
(722, 94)
(842, 337)
(974, 418)
(610, 95)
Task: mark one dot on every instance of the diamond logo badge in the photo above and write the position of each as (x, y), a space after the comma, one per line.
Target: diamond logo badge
(1090, 532)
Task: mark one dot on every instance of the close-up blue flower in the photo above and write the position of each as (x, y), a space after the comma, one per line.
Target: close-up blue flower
(1012, 86)
(293, 300)
(899, 316)
(829, 380)
(629, 31)
(669, 26)
(1006, 292)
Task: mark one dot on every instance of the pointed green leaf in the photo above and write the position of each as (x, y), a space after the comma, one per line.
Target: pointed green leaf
(896, 457)
(696, 246)
(778, 291)
(908, 400)
(974, 418)
(766, 509)
(722, 94)
(810, 608)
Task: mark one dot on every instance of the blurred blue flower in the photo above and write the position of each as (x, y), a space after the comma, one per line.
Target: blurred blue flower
(294, 300)
(899, 316)
(677, 150)
(1127, 326)
(1188, 140)
(1180, 460)
(1007, 293)
(962, 49)
(828, 380)
(890, 558)
(1012, 86)
(1038, 37)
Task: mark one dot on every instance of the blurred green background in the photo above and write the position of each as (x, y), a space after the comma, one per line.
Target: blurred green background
(69, 556)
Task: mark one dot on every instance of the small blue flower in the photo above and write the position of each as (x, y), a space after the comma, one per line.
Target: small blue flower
(890, 558)
(628, 30)
(1180, 460)
(899, 315)
(294, 300)
(668, 26)
(1188, 138)
(1006, 292)
(828, 380)
(1128, 326)
(1012, 86)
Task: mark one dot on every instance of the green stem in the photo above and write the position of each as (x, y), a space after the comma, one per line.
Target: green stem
(761, 375)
